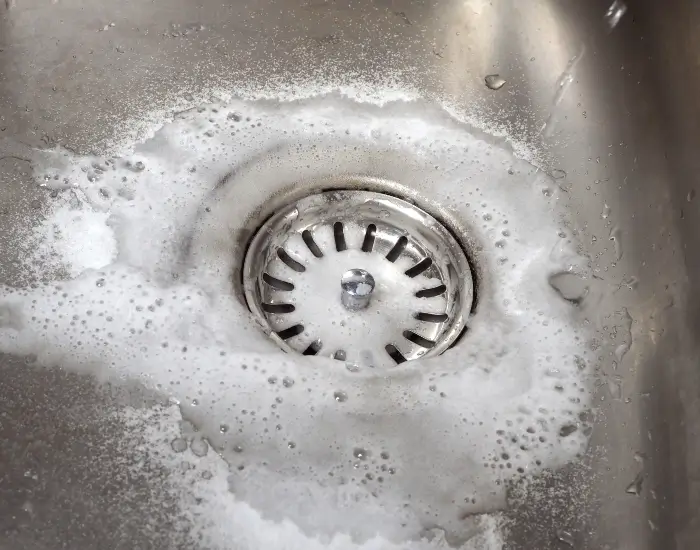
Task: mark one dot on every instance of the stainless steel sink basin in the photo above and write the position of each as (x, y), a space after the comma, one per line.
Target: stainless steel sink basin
(607, 96)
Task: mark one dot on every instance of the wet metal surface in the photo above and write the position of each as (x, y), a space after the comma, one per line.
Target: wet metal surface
(614, 104)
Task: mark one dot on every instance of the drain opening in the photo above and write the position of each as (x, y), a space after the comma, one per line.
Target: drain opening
(373, 280)
(289, 261)
(277, 308)
(418, 339)
(419, 268)
(276, 283)
(340, 244)
(398, 249)
(432, 317)
(431, 292)
(395, 354)
(311, 244)
(290, 332)
(368, 243)
(313, 348)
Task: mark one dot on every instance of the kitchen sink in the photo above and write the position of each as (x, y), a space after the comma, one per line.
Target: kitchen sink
(365, 274)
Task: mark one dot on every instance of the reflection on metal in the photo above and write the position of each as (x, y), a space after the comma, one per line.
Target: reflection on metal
(356, 287)
(399, 269)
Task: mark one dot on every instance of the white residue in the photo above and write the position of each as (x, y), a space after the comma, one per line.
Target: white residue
(432, 432)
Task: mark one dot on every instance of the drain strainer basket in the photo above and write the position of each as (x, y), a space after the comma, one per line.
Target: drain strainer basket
(359, 276)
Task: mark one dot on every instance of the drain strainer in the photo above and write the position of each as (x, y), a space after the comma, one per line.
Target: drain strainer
(359, 276)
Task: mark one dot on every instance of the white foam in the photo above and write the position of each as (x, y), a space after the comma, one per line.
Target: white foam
(453, 429)
(221, 521)
(74, 239)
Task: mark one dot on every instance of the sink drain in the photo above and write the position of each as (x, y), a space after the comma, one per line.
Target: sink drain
(359, 276)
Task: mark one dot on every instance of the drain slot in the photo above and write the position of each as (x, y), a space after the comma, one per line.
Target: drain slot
(398, 249)
(277, 284)
(368, 243)
(291, 332)
(395, 354)
(339, 234)
(313, 348)
(278, 308)
(311, 244)
(418, 339)
(431, 292)
(289, 261)
(419, 268)
(432, 317)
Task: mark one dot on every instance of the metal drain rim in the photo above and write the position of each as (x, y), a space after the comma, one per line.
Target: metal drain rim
(453, 270)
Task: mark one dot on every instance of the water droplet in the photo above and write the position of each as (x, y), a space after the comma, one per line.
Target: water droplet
(558, 174)
(614, 13)
(565, 537)
(291, 445)
(569, 286)
(199, 447)
(100, 282)
(179, 445)
(135, 167)
(360, 454)
(340, 396)
(615, 234)
(192, 27)
(567, 430)
(494, 81)
(223, 428)
(640, 457)
(622, 349)
(691, 195)
(606, 212)
(635, 488)
(631, 282)
(614, 384)
(287, 382)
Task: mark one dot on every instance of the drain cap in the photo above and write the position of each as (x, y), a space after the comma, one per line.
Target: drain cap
(359, 276)
(356, 288)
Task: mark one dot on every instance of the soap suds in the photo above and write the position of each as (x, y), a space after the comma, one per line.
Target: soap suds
(220, 521)
(422, 446)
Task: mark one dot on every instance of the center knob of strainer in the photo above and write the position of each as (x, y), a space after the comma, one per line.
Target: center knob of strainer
(356, 287)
